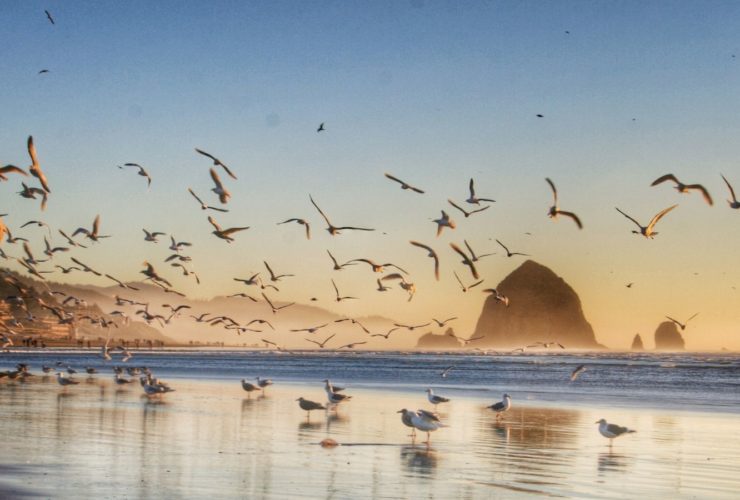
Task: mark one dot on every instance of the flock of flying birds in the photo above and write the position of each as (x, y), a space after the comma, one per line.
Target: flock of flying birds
(178, 259)
(474, 204)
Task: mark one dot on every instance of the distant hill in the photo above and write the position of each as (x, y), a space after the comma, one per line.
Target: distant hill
(184, 329)
(543, 307)
(637, 343)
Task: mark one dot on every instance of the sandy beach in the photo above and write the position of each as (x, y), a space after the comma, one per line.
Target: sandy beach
(209, 439)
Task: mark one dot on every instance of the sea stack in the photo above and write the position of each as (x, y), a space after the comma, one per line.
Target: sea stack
(637, 343)
(432, 341)
(542, 307)
(668, 338)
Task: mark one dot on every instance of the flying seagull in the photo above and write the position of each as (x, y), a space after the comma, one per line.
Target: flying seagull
(555, 211)
(91, 234)
(444, 221)
(465, 212)
(682, 326)
(142, 171)
(647, 231)
(576, 372)
(48, 16)
(466, 260)
(220, 190)
(333, 230)
(302, 222)
(403, 184)
(225, 234)
(684, 188)
(474, 200)
(216, 162)
(511, 254)
(204, 206)
(321, 127)
(431, 254)
(35, 168)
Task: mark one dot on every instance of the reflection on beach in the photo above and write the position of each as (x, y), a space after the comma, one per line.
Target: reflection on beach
(208, 440)
(418, 460)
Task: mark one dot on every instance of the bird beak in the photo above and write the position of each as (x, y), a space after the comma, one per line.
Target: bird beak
(598, 422)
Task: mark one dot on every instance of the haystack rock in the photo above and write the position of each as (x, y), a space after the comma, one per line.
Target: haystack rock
(432, 341)
(668, 338)
(637, 343)
(543, 307)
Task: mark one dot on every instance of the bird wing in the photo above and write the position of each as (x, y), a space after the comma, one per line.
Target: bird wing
(428, 415)
(572, 216)
(233, 230)
(459, 280)
(354, 228)
(36, 169)
(207, 154)
(216, 179)
(504, 246)
(659, 216)
(393, 276)
(317, 208)
(554, 191)
(32, 152)
(732, 191)
(630, 218)
(692, 317)
(96, 224)
(8, 169)
(394, 179)
(213, 223)
(196, 197)
(471, 186)
(663, 178)
(466, 260)
(703, 191)
(458, 207)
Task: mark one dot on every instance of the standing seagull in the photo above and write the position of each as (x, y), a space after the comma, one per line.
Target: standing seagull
(403, 184)
(142, 171)
(647, 231)
(35, 168)
(733, 202)
(406, 419)
(309, 406)
(216, 162)
(431, 254)
(501, 407)
(612, 431)
(474, 200)
(682, 326)
(555, 211)
(435, 399)
(427, 422)
(333, 230)
(684, 188)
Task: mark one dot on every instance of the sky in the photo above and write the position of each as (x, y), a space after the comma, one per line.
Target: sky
(432, 92)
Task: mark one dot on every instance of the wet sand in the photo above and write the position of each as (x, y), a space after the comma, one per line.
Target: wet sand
(208, 439)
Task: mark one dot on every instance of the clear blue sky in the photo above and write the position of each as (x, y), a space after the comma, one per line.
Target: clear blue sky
(435, 92)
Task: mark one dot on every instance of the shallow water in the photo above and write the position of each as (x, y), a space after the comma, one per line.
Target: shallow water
(683, 381)
(96, 440)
